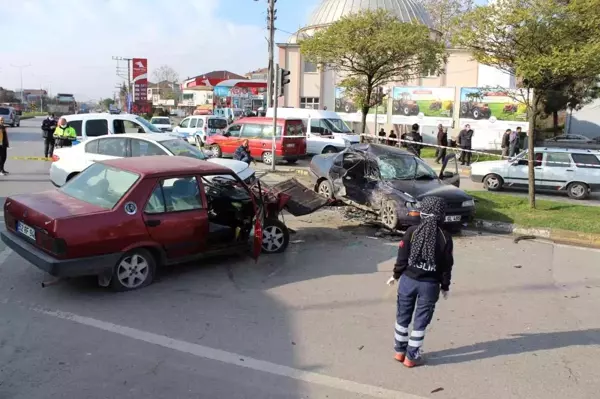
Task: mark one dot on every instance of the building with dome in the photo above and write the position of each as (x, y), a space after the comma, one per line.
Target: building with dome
(311, 87)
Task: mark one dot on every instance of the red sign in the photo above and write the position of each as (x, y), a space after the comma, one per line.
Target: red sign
(140, 79)
(141, 107)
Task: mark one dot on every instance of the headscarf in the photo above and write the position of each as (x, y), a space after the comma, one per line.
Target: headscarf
(424, 238)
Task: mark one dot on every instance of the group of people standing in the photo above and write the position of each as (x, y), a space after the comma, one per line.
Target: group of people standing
(56, 132)
(512, 142)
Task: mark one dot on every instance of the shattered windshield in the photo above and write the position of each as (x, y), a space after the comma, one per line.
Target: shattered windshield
(337, 125)
(404, 167)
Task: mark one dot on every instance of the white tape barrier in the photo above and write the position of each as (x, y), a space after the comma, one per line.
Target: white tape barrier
(379, 139)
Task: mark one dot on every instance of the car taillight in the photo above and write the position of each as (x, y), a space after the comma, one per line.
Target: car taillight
(55, 158)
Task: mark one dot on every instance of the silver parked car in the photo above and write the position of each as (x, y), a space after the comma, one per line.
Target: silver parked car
(12, 116)
(574, 170)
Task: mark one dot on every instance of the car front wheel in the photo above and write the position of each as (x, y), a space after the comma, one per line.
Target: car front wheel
(216, 150)
(276, 237)
(134, 270)
(329, 150)
(493, 182)
(325, 189)
(389, 215)
(578, 191)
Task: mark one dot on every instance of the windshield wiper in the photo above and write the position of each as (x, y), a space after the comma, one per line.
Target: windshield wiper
(424, 177)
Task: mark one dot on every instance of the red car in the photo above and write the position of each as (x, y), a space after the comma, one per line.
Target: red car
(290, 146)
(120, 219)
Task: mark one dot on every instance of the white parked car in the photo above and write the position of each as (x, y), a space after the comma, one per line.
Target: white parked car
(68, 162)
(326, 132)
(163, 123)
(101, 124)
(576, 171)
(197, 128)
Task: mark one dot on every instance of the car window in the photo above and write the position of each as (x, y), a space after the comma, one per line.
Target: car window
(557, 160)
(160, 121)
(267, 131)
(217, 123)
(149, 126)
(294, 128)
(96, 127)
(403, 167)
(132, 127)
(234, 130)
(193, 122)
(182, 148)
(114, 147)
(252, 130)
(4, 111)
(77, 126)
(200, 124)
(91, 147)
(185, 123)
(100, 185)
(174, 195)
(143, 148)
(316, 126)
(586, 160)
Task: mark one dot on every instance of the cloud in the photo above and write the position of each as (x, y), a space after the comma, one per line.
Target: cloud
(70, 43)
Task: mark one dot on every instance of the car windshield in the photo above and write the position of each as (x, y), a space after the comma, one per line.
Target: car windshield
(337, 125)
(404, 167)
(183, 149)
(147, 125)
(217, 123)
(160, 121)
(100, 185)
(4, 111)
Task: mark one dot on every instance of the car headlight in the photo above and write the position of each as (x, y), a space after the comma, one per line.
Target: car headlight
(468, 203)
(413, 208)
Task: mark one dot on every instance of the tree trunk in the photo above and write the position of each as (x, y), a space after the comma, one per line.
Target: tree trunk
(531, 146)
(555, 122)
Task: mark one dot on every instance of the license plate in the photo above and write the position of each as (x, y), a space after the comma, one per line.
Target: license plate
(453, 218)
(26, 230)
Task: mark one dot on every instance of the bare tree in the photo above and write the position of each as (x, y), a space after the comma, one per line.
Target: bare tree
(165, 73)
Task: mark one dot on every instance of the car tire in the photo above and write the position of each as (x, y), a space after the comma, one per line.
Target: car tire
(389, 214)
(12, 125)
(329, 150)
(578, 190)
(267, 157)
(216, 150)
(493, 182)
(276, 237)
(325, 188)
(19, 124)
(134, 270)
(72, 175)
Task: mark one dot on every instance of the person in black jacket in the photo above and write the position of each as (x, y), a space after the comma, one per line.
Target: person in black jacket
(424, 266)
(442, 140)
(3, 147)
(243, 153)
(414, 136)
(48, 128)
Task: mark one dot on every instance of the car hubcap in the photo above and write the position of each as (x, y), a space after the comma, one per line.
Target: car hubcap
(578, 190)
(272, 239)
(216, 150)
(133, 271)
(268, 157)
(387, 216)
(324, 190)
(492, 182)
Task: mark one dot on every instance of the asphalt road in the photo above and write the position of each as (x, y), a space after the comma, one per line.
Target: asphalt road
(314, 322)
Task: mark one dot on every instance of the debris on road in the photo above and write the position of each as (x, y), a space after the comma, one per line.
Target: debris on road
(525, 237)
(440, 389)
(517, 266)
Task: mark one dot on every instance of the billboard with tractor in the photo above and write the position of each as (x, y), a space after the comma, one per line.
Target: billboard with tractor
(348, 110)
(427, 106)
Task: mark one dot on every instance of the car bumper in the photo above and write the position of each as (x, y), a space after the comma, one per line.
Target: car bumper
(88, 266)
(58, 176)
(466, 216)
(477, 178)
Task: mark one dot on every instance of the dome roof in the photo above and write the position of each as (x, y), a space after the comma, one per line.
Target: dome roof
(332, 10)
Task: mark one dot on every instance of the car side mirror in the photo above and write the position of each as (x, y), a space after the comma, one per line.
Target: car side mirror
(448, 175)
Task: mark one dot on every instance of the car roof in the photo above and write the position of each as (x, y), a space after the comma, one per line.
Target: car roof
(94, 115)
(559, 149)
(264, 119)
(159, 165)
(142, 136)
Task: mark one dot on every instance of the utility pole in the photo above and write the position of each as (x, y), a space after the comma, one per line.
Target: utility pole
(274, 140)
(124, 72)
(21, 67)
(271, 17)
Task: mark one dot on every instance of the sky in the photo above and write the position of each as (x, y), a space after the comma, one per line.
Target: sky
(68, 45)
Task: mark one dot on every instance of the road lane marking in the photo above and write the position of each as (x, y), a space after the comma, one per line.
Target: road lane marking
(31, 158)
(233, 358)
(5, 254)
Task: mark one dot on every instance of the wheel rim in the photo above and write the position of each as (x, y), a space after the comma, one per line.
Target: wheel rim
(493, 182)
(578, 190)
(388, 215)
(133, 271)
(330, 151)
(216, 150)
(324, 189)
(273, 238)
(267, 157)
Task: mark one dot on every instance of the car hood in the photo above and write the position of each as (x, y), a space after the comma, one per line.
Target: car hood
(487, 165)
(242, 169)
(160, 126)
(418, 189)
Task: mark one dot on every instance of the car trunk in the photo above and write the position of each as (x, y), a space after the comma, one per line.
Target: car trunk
(36, 217)
(302, 201)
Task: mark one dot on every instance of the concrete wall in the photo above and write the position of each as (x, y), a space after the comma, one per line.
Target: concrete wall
(586, 121)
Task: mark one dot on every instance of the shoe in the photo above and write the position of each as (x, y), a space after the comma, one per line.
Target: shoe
(410, 363)
(5, 172)
(400, 357)
(2, 174)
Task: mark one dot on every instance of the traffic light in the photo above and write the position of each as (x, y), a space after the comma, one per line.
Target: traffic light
(283, 80)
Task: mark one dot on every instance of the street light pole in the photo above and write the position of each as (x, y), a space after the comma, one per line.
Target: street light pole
(21, 67)
(271, 17)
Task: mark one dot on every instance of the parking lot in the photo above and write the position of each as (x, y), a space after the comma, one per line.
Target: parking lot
(314, 322)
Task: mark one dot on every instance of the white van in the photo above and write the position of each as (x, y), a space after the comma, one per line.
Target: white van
(326, 132)
(12, 116)
(197, 128)
(100, 124)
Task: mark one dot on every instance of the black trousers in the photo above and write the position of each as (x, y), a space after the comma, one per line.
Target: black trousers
(48, 147)
(2, 157)
(465, 156)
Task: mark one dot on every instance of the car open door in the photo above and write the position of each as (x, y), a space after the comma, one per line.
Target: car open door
(449, 173)
(257, 230)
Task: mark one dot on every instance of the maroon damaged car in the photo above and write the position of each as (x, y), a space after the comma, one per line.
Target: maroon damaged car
(121, 219)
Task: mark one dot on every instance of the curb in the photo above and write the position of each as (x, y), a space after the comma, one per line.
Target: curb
(555, 235)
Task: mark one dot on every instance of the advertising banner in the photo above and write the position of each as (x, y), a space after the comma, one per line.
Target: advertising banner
(349, 112)
(140, 86)
(427, 106)
(490, 111)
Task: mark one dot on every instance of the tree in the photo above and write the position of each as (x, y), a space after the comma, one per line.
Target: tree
(443, 14)
(165, 73)
(372, 48)
(107, 102)
(545, 44)
(572, 96)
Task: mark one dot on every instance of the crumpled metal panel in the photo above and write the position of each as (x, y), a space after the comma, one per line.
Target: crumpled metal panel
(303, 200)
